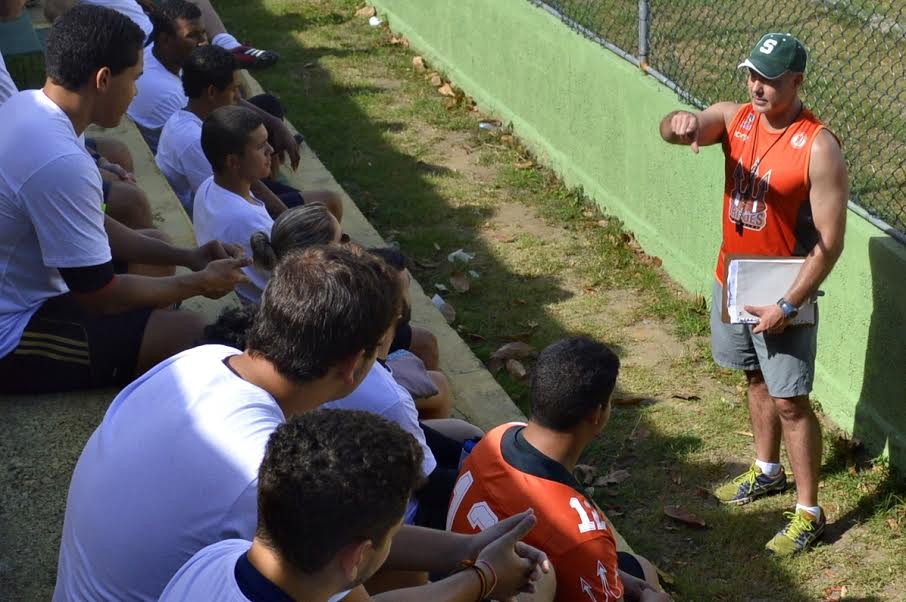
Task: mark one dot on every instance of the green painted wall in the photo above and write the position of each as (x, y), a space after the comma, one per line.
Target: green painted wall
(593, 117)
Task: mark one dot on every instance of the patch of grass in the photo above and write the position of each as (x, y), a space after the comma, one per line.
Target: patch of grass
(552, 264)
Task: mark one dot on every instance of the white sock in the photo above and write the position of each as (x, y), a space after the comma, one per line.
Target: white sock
(769, 469)
(813, 510)
(226, 40)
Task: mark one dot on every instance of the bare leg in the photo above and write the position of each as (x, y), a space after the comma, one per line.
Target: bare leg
(128, 205)
(167, 333)
(424, 345)
(332, 200)
(438, 406)
(115, 151)
(802, 437)
(765, 421)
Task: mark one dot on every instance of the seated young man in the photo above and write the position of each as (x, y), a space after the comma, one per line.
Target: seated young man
(248, 57)
(331, 493)
(173, 466)
(178, 30)
(519, 465)
(210, 80)
(67, 320)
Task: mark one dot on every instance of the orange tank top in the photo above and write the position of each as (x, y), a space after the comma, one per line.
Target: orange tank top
(766, 207)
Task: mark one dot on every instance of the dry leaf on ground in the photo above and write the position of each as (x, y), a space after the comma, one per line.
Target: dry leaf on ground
(524, 164)
(516, 369)
(436, 80)
(460, 282)
(515, 350)
(450, 102)
(684, 516)
(614, 478)
(744, 433)
(447, 90)
(418, 63)
(366, 11)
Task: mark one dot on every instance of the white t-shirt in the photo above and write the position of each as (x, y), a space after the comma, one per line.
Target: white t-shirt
(380, 394)
(172, 468)
(7, 85)
(51, 209)
(160, 94)
(131, 9)
(210, 575)
(222, 215)
(180, 158)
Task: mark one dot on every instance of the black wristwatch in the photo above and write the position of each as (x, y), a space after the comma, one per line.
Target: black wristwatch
(790, 311)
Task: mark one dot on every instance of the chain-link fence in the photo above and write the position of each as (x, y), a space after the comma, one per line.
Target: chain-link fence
(856, 77)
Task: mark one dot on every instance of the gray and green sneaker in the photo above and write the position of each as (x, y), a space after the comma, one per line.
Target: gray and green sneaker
(750, 485)
(798, 535)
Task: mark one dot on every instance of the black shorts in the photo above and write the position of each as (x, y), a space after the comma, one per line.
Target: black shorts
(65, 348)
(290, 196)
(402, 339)
(628, 563)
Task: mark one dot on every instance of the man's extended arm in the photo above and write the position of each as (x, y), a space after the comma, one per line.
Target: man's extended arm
(698, 129)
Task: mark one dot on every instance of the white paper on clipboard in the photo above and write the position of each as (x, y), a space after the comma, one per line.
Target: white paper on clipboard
(763, 282)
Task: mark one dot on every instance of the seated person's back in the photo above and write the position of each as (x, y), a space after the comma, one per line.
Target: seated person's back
(517, 466)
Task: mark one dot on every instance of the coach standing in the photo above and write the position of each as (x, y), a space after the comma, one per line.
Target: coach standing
(785, 194)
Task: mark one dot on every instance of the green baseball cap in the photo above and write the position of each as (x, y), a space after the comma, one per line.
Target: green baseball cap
(775, 54)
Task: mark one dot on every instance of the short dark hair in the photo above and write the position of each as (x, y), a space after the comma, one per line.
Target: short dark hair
(87, 38)
(231, 327)
(571, 378)
(164, 16)
(331, 478)
(225, 132)
(321, 306)
(393, 256)
(209, 65)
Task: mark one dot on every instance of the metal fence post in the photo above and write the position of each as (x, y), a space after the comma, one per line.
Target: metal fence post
(644, 23)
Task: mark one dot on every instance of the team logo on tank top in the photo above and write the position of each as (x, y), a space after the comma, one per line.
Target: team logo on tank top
(747, 201)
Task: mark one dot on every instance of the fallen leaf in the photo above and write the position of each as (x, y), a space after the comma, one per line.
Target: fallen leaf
(614, 478)
(426, 264)
(516, 369)
(524, 164)
(450, 103)
(447, 90)
(684, 516)
(512, 351)
(686, 396)
(666, 577)
(587, 213)
(506, 139)
(460, 282)
(603, 223)
(584, 473)
(893, 524)
(418, 63)
(404, 42)
(495, 364)
(744, 434)
(366, 11)
(436, 80)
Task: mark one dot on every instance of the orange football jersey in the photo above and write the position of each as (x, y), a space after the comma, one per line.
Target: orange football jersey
(504, 475)
(766, 208)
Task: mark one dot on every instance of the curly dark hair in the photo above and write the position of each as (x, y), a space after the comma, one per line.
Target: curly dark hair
(208, 65)
(323, 305)
(231, 328)
(571, 378)
(331, 478)
(165, 14)
(87, 38)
